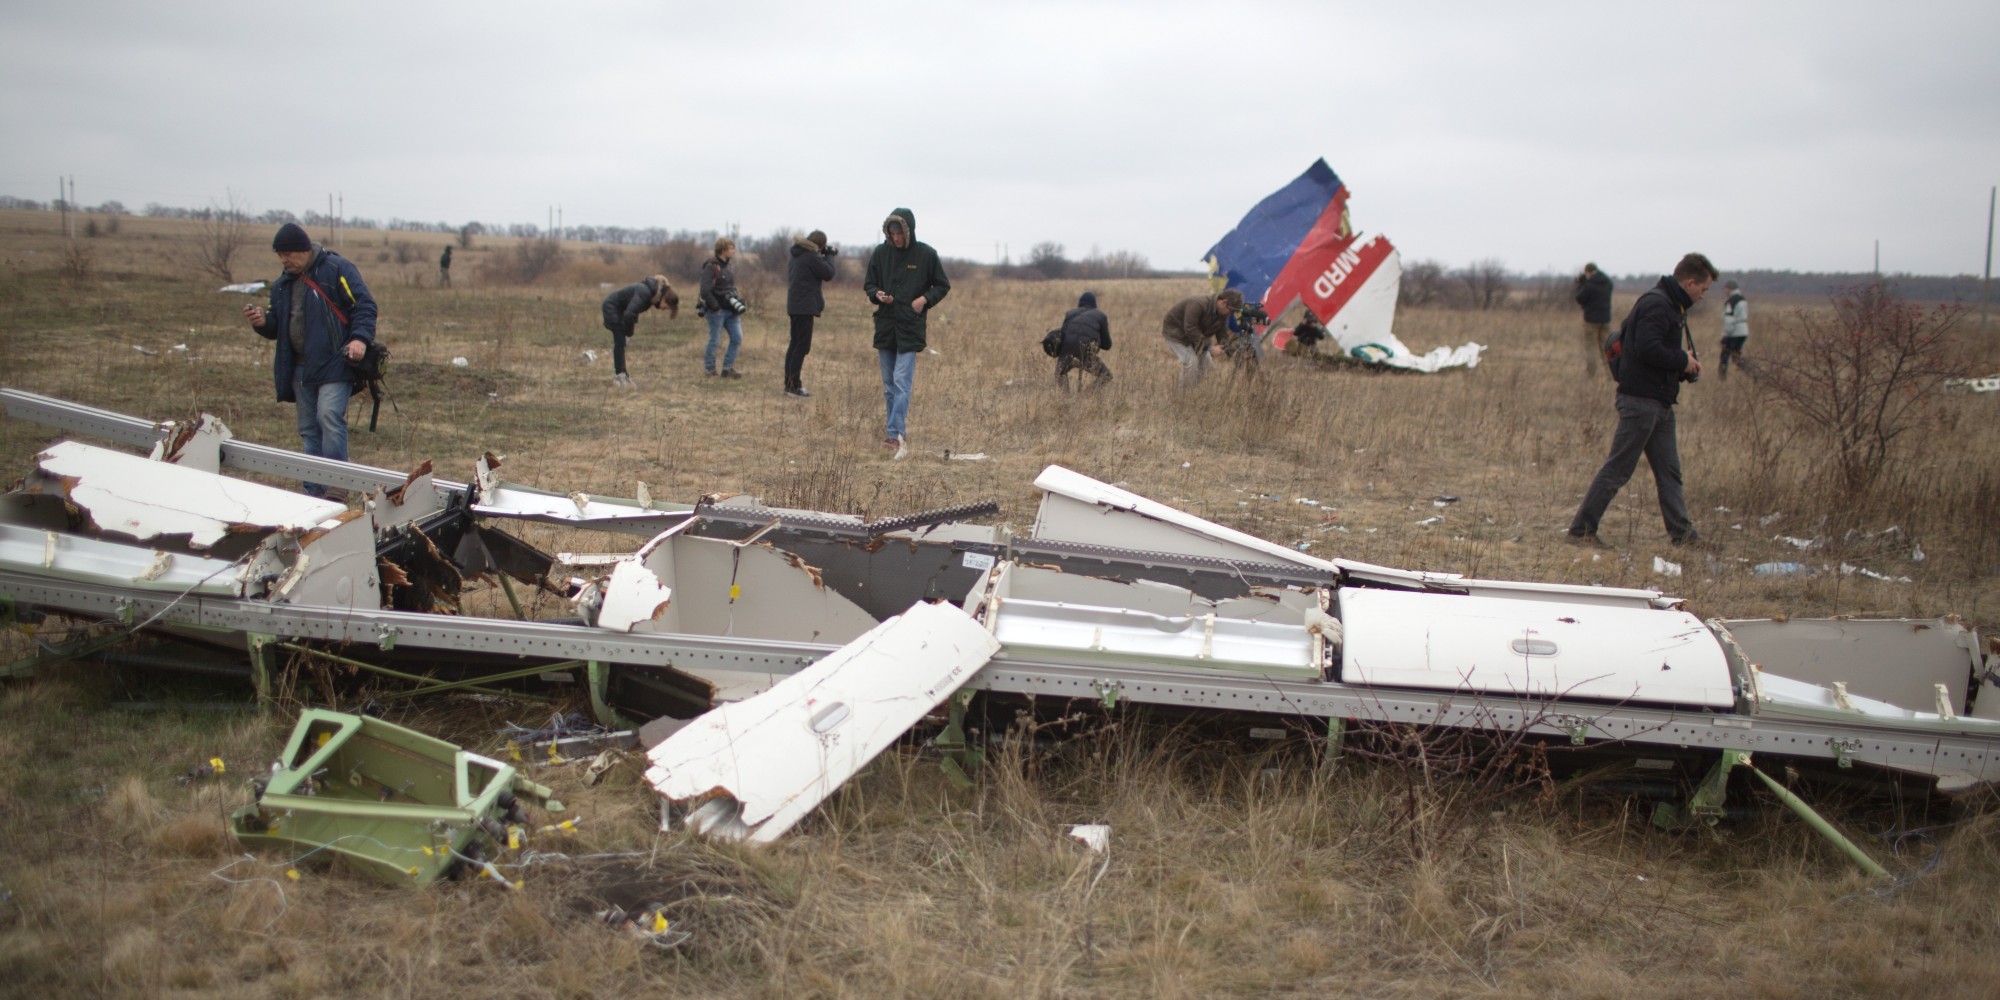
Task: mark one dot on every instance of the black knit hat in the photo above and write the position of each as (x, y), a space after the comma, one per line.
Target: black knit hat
(1087, 300)
(291, 238)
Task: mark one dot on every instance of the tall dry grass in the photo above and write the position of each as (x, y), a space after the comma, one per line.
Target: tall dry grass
(1233, 870)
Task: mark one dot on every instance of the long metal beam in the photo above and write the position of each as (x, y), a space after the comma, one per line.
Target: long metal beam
(1929, 753)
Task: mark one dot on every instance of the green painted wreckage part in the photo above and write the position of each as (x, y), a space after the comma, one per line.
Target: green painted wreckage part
(390, 802)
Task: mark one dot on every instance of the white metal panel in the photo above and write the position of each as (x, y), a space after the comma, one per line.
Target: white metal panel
(758, 766)
(144, 500)
(1077, 508)
(1899, 661)
(1453, 642)
(74, 557)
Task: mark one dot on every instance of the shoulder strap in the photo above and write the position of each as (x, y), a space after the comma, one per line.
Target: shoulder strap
(337, 312)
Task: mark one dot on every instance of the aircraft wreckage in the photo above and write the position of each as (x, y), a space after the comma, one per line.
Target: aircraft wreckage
(819, 638)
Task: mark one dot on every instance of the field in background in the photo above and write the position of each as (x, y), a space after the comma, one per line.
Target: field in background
(1231, 873)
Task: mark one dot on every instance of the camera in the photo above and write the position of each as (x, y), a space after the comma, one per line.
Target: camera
(830, 251)
(734, 304)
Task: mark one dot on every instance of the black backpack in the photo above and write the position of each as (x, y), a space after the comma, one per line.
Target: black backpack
(1052, 343)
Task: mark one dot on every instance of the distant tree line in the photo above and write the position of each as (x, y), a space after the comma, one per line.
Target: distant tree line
(1486, 284)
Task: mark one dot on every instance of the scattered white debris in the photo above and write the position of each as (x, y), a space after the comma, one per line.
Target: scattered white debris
(1439, 501)
(1990, 383)
(1433, 519)
(1848, 569)
(1665, 568)
(1797, 543)
(246, 287)
(1309, 503)
(1096, 836)
(977, 456)
(181, 347)
(1769, 519)
(1723, 510)
(586, 357)
(1736, 527)
(460, 363)
(147, 351)
(1782, 569)
(1917, 554)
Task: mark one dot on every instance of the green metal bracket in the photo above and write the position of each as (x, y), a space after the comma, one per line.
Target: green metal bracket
(1576, 726)
(597, 676)
(1844, 751)
(1336, 743)
(1704, 807)
(262, 665)
(960, 756)
(1108, 690)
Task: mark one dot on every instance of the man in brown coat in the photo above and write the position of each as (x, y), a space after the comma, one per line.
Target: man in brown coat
(1196, 329)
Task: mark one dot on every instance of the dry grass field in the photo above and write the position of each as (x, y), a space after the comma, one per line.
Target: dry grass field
(1231, 872)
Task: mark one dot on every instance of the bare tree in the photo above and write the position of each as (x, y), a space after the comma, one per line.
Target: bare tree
(1866, 376)
(1048, 258)
(1485, 283)
(220, 231)
(535, 257)
(1423, 284)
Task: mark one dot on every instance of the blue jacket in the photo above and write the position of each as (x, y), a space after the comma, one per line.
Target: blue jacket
(327, 333)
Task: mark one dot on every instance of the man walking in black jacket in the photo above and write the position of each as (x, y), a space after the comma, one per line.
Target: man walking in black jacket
(1651, 369)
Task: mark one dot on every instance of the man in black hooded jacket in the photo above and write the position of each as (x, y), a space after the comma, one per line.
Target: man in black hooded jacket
(1085, 332)
(905, 280)
(1651, 368)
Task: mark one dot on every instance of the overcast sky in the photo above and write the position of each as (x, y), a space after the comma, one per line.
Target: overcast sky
(1768, 135)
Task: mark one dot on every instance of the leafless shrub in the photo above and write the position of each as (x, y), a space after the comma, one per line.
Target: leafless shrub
(407, 252)
(1484, 282)
(77, 266)
(533, 258)
(1864, 377)
(1424, 284)
(219, 232)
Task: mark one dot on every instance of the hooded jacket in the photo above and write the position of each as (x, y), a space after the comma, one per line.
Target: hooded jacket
(350, 315)
(1594, 295)
(1085, 325)
(1736, 316)
(623, 307)
(811, 267)
(905, 274)
(1652, 361)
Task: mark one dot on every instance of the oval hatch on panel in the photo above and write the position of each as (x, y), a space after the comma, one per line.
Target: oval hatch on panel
(826, 718)
(1534, 647)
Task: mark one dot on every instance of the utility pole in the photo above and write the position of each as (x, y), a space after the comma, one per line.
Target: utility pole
(560, 229)
(1986, 283)
(72, 206)
(1878, 258)
(62, 199)
(340, 220)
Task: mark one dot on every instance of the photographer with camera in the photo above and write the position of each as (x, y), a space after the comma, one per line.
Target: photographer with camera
(812, 267)
(1650, 369)
(1196, 330)
(722, 306)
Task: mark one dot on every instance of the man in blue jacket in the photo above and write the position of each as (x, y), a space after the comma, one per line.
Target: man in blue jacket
(1651, 368)
(321, 317)
(905, 280)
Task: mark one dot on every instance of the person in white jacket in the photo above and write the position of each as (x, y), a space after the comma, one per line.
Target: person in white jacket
(1735, 325)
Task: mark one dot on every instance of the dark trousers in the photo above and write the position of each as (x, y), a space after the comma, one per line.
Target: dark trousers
(1085, 359)
(795, 355)
(1645, 426)
(1732, 347)
(618, 335)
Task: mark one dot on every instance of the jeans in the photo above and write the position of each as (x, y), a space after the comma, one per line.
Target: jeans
(717, 320)
(1644, 426)
(323, 421)
(1195, 362)
(899, 374)
(795, 355)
